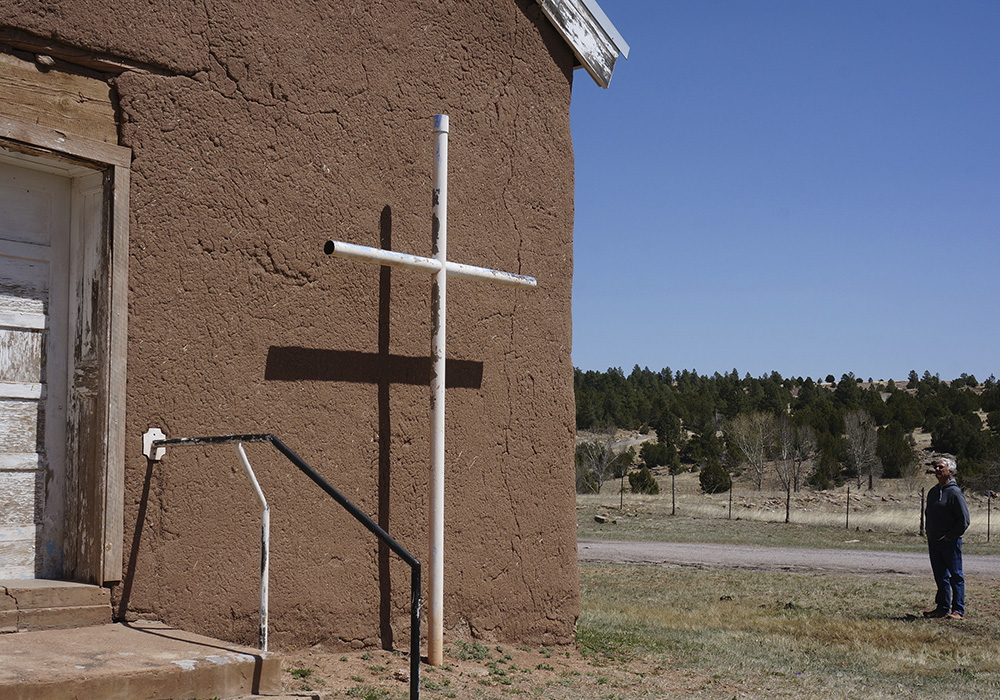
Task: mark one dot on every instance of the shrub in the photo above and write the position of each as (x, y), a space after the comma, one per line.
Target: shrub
(621, 462)
(655, 454)
(993, 420)
(826, 473)
(585, 481)
(643, 481)
(714, 479)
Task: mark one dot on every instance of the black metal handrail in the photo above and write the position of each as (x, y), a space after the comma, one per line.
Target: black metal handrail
(360, 516)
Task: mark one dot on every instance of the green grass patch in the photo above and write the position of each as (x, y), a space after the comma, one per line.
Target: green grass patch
(368, 692)
(465, 651)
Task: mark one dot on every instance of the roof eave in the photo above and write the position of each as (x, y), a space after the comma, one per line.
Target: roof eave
(588, 31)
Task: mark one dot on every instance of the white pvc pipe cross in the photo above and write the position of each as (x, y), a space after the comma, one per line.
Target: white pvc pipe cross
(441, 268)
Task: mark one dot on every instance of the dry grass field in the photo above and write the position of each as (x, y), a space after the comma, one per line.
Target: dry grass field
(649, 633)
(654, 633)
(779, 635)
(887, 517)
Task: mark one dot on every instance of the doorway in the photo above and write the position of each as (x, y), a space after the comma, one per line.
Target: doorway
(62, 339)
(34, 256)
(63, 324)
(48, 210)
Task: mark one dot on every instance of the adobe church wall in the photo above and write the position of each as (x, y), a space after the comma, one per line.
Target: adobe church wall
(258, 132)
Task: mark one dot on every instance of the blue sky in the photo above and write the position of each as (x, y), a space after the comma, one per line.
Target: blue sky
(792, 185)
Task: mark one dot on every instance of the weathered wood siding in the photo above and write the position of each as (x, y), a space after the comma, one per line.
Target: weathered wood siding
(70, 103)
(88, 391)
(594, 47)
(58, 123)
(34, 229)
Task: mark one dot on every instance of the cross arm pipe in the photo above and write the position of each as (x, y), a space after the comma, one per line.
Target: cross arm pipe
(415, 262)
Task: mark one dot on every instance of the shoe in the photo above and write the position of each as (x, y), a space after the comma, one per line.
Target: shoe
(936, 613)
(954, 616)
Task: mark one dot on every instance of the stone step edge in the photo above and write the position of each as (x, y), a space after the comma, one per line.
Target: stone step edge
(40, 593)
(63, 617)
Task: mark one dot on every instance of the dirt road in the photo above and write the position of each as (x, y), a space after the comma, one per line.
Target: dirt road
(717, 556)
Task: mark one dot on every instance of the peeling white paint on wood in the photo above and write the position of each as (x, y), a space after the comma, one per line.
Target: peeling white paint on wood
(19, 423)
(26, 214)
(17, 555)
(49, 128)
(86, 259)
(34, 245)
(24, 284)
(21, 498)
(20, 357)
(16, 533)
(17, 319)
(17, 462)
(22, 390)
(590, 34)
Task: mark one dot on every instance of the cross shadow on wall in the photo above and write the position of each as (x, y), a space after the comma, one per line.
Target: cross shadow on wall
(383, 369)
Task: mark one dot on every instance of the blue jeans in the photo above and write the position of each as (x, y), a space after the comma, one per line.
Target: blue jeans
(946, 563)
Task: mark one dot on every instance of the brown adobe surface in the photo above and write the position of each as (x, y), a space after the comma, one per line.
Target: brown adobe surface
(259, 130)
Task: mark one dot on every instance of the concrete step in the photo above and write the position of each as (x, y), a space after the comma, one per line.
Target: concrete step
(40, 604)
(132, 661)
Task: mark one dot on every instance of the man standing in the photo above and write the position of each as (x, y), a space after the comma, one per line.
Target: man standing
(947, 520)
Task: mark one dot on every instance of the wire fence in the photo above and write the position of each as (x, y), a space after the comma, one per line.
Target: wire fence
(848, 507)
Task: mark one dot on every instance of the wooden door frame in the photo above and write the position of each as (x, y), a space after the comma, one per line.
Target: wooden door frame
(95, 497)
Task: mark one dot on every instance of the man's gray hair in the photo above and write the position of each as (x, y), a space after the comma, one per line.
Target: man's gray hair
(949, 462)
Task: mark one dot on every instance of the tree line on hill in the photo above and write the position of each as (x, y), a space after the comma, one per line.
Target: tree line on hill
(804, 432)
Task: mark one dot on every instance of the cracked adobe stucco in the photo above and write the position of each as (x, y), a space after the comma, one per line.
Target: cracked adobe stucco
(270, 128)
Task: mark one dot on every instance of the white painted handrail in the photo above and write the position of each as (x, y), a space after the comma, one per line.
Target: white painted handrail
(265, 543)
(154, 444)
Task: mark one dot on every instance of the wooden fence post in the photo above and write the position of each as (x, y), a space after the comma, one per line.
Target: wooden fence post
(847, 522)
(989, 508)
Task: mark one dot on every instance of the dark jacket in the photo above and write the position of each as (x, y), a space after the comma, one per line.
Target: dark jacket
(947, 514)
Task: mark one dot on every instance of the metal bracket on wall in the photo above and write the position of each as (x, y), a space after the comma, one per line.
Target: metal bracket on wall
(148, 438)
